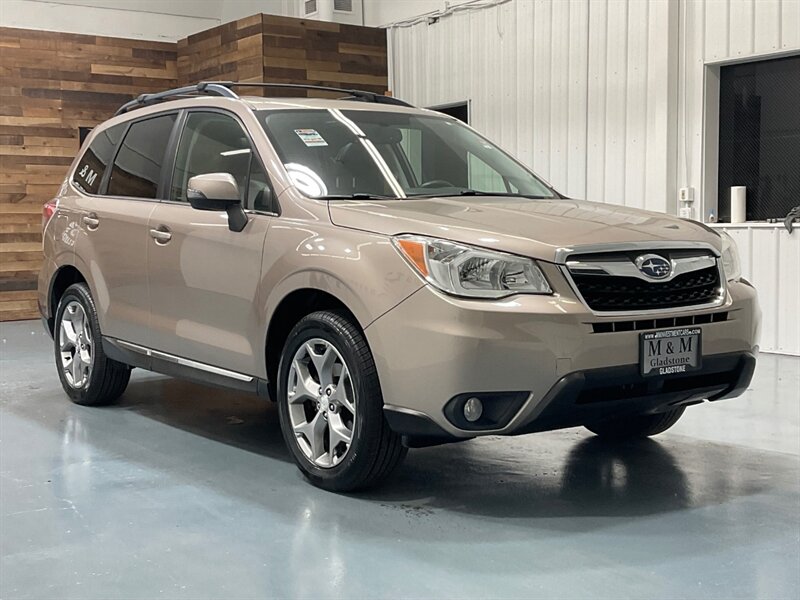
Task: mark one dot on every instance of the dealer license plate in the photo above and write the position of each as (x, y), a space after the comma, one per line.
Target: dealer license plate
(670, 352)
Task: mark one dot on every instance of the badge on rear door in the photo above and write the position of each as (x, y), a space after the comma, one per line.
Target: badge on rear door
(670, 352)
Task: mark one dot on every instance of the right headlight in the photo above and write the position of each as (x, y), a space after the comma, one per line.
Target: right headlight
(730, 257)
(471, 272)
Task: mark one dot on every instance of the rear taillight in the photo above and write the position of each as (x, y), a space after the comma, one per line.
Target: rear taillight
(48, 210)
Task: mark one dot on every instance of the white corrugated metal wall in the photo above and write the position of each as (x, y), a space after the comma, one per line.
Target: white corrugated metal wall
(590, 93)
(718, 33)
(715, 32)
(771, 260)
(579, 90)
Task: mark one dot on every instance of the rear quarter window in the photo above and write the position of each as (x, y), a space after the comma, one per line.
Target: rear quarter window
(92, 164)
(137, 167)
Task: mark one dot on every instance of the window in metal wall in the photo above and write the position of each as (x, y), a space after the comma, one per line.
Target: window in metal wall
(759, 136)
(459, 110)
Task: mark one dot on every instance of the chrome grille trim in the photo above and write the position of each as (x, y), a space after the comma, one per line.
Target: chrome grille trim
(624, 268)
(561, 254)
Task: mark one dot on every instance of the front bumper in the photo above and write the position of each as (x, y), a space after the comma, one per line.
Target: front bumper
(432, 348)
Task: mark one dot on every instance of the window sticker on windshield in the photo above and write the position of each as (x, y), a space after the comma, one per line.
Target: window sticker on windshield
(311, 137)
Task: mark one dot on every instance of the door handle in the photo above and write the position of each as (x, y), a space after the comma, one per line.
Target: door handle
(162, 235)
(91, 221)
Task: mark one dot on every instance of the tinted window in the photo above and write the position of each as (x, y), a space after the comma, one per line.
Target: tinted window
(93, 163)
(137, 167)
(216, 143)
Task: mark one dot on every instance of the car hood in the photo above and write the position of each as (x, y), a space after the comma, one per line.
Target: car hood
(536, 228)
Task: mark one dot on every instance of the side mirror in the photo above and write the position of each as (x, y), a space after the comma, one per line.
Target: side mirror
(218, 192)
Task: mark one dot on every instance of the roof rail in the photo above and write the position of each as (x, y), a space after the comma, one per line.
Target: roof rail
(204, 87)
(350, 94)
(223, 88)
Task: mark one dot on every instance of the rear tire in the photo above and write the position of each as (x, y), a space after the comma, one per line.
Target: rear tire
(639, 426)
(314, 408)
(87, 375)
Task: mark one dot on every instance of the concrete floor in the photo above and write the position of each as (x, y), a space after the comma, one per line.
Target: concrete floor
(183, 491)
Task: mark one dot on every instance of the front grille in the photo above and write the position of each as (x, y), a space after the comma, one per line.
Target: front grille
(606, 292)
(661, 323)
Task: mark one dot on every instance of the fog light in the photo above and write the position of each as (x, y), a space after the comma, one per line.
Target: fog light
(473, 409)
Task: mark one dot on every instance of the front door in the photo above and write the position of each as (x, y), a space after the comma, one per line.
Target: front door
(204, 278)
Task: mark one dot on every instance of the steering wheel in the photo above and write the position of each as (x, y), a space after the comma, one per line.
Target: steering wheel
(436, 183)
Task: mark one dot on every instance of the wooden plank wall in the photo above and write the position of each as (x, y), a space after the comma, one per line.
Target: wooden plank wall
(50, 85)
(230, 52)
(286, 50)
(53, 83)
(322, 53)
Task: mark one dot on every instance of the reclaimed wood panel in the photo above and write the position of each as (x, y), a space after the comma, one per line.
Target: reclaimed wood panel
(53, 83)
(18, 305)
(320, 53)
(50, 85)
(287, 50)
(230, 52)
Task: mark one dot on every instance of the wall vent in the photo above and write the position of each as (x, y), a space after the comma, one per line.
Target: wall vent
(343, 5)
(310, 7)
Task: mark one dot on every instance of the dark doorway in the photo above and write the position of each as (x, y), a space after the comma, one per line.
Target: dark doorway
(759, 136)
(83, 133)
(459, 110)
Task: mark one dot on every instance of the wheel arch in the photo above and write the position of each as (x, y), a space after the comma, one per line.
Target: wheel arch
(64, 277)
(288, 312)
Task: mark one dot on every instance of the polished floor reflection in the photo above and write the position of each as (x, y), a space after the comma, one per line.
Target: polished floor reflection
(184, 491)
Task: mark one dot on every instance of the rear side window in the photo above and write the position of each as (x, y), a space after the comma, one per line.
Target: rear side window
(92, 164)
(137, 168)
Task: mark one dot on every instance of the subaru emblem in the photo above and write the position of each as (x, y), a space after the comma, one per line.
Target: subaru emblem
(654, 266)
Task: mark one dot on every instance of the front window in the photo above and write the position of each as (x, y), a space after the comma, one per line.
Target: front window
(332, 153)
(213, 142)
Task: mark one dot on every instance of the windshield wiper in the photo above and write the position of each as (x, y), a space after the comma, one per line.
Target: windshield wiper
(471, 192)
(356, 196)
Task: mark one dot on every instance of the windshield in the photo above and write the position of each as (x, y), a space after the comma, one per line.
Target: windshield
(331, 153)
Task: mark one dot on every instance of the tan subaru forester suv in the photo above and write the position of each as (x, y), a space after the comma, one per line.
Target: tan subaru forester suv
(387, 275)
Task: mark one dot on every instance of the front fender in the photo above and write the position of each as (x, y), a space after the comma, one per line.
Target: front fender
(362, 270)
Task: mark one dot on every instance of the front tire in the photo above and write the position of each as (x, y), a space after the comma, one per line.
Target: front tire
(639, 426)
(87, 375)
(331, 408)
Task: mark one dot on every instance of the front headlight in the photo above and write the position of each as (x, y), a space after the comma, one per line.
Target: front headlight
(730, 257)
(472, 272)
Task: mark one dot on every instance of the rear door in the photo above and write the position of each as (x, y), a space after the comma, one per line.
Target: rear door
(204, 278)
(111, 248)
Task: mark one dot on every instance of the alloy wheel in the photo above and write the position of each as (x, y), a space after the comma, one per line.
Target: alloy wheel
(321, 402)
(75, 345)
